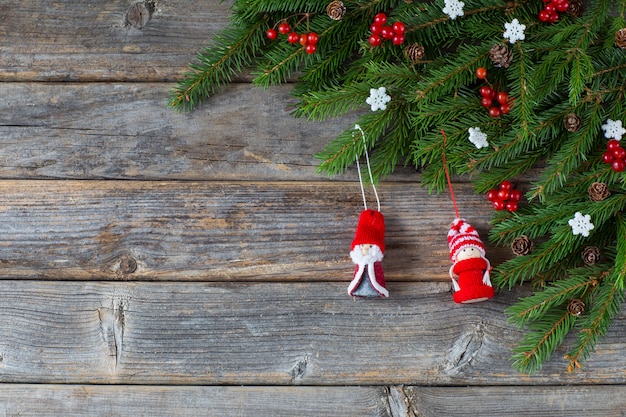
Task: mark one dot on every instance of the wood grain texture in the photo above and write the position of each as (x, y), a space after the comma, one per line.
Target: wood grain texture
(268, 334)
(395, 401)
(79, 40)
(287, 231)
(191, 401)
(126, 131)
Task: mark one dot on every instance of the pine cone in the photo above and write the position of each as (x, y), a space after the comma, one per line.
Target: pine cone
(572, 122)
(336, 10)
(500, 55)
(598, 191)
(522, 245)
(591, 255)
(576, 8)
(576, 307)
(415, 52)
(620, 38)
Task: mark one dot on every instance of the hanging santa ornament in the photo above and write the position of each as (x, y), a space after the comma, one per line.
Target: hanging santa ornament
(368, 246)
(470, 268)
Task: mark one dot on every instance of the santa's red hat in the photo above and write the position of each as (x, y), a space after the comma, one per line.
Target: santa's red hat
(461, 235)
(370, 230)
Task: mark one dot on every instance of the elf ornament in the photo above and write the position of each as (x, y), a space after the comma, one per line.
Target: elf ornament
(470, 265)
(368, 247)
(467, 253)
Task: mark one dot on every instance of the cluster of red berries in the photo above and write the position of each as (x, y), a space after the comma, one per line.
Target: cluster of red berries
(308, 40)
(504, 197)
(381, 31)
(501, 106)
(549, 13)
(615, 155)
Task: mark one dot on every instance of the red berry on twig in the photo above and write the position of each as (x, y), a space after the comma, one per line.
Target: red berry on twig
(271, 34)
(284, 28)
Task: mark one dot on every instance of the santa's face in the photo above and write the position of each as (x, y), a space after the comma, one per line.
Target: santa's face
(468, 252)
(366, 254)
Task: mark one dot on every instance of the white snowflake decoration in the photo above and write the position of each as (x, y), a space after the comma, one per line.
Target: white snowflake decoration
(514, 31)
(613, 129)
(581, 225)
(478, 138)
(453, 8)
(378, 98)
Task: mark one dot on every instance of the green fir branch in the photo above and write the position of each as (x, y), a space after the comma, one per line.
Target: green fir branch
(541, 340)
(231, 51)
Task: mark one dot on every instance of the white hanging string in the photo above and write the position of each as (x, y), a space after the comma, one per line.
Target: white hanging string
(369, 170)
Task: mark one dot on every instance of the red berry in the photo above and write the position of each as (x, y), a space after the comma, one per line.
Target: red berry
(313, 38)
(562, 6)
(506, 185)
(618, 165)
(505, 108)
(619, 153)
(386, 32)
(492, 195)
(397, 39)
(511, 206)
(488, 92)
(608, 157)
(398, 28)
(293, 37)
(544, 16)
(550, 7)
(374, 40)
(284, 28)
(376, 28)
(380, 19)
(554, 17)
(481, 73)
(310, 48)
(498, 205)
(271, 34)
(304, 39)
(495, 112)
(486, 102)
(503, 195)
(515, 195)
(503, 97)
(613, 144)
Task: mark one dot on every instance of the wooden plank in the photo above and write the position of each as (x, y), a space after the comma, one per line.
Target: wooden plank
(220, 231)
(125, 131)
(191, 401)
(519, 401)
(269, 334)
(396, 401)
(79, 40)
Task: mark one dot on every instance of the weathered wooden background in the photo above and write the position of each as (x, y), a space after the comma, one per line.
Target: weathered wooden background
(157, 263)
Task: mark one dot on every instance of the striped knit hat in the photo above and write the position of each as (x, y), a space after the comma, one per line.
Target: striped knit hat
(463, 234)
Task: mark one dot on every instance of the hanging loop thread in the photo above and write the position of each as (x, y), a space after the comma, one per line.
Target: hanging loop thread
(447, 171)
(369, 170)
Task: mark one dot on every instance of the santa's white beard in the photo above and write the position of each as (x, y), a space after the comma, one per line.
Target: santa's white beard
(373, 255)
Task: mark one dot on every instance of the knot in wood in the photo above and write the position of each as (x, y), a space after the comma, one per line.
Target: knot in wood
(139, 14)
(128, 265)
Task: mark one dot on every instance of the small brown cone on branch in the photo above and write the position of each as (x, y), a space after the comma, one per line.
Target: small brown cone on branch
(500, 55)
(336, 10)
(415, 52)
(620, 38)
(571, 122)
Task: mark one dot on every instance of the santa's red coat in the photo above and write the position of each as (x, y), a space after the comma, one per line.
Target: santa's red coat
(376, 277)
